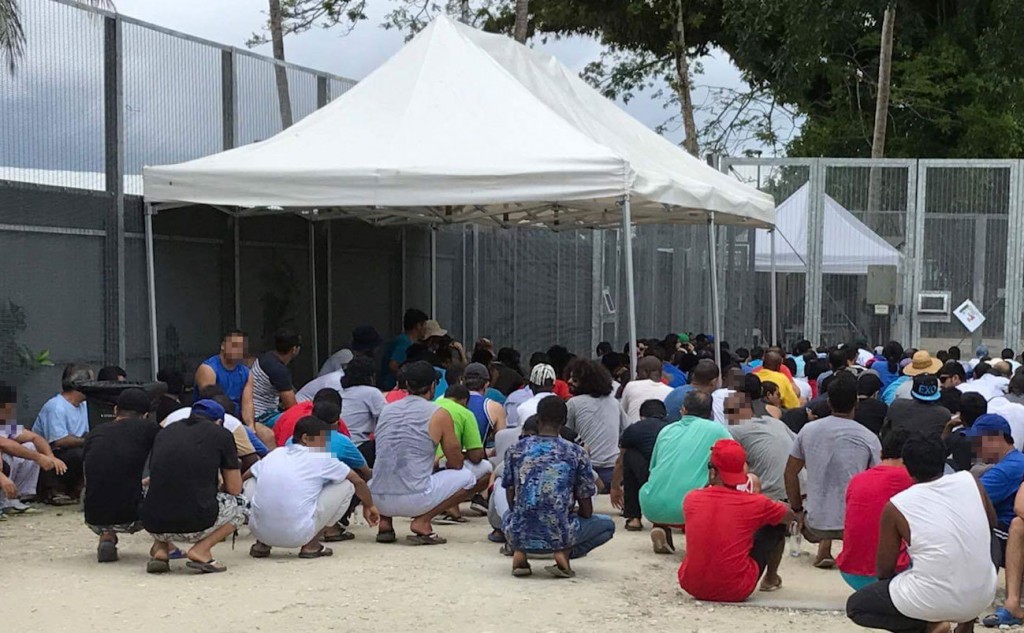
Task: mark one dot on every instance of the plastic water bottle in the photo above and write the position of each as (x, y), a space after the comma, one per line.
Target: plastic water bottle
(795, 540)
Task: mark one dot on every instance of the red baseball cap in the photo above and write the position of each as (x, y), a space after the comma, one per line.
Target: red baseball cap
(730, 460)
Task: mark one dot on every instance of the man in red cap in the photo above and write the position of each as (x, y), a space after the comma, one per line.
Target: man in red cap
(732, 534)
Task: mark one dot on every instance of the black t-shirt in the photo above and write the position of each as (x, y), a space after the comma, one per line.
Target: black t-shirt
(115, 455)
(187, 458)
(871, 413)
(641, 436)
(959, 450)
(917, 417)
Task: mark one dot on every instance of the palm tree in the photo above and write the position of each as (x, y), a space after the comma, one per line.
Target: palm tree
(12, 33)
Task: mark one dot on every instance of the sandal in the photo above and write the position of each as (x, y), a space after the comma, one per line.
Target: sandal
(558, 572)
(770, 588)
(825, 563)
(317, 553)
(660, 541)
(451, 519)
(634, 527)
(496, 536)
(426, 539)
(209, 567)
(522, 572)
(343, 535)
(106, 552)
(259, 550)
(60, 499)
(387, 536)
(158, 566)
(1002, 617)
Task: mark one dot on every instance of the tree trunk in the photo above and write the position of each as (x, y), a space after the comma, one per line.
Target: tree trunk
(280, 72)
(522, 20)
(881, 114)
(683, 84)
(464, 11)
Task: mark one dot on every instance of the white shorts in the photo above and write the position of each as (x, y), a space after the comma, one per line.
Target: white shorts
(481, 470)
(443, 485)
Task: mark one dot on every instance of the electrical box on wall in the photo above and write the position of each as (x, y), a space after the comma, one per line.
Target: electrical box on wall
(883, 285)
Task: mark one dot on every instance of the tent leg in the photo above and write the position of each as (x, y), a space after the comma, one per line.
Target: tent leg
(716, 325)
(627, 230)
(330, 289)
(154, 352)
(775, 295)
(238, 271)
(433, 272)
(312, 298)
(403, 272)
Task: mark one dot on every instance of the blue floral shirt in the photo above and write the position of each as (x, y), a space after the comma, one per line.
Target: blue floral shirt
(548, 474)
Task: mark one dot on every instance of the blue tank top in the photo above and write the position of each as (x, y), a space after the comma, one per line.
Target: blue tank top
(478, 405)
(232, 381)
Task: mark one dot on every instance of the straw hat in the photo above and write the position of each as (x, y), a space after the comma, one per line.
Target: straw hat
(922, 363)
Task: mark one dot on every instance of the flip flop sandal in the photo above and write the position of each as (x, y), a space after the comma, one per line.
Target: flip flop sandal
(770, 588)
(61, 500)
(344, 535)
(157, 566)
(522, 572)
(106, 552)
(209, 567)
(496, 536)
(447, 519)
(387, 537)
(634, 527)
(1001, 617)
(825, 563)
(259, 552)
(17, 512)
(426, 539)
(317, 553)
(660, 541)
(558, 572)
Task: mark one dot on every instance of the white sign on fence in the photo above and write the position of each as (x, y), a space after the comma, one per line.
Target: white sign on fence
(969, 315)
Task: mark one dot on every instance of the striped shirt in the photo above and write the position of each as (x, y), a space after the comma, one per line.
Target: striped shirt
(269, 378)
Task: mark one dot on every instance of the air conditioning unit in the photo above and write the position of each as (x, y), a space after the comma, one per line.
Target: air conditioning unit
(934, 306)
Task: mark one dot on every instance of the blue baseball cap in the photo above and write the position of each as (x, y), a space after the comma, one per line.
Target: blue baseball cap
(209, 409)
(989, 424)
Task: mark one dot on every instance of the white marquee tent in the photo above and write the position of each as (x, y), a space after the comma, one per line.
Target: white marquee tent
(849, 246)
(465, 126)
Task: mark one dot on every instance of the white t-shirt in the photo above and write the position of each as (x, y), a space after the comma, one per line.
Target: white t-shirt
(864, 357)
(953, 578)
(718, 405)
(804, 388)
(289, 481)
(989, 386)
(1014, 414)
(330, 380)
(230, 422)
(529, 408)
(637, 392)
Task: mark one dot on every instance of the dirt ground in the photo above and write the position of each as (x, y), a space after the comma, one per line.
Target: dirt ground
(51, 580)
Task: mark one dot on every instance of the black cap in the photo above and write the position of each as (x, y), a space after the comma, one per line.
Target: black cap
(364, 338)
(134, 400)
(419, 375)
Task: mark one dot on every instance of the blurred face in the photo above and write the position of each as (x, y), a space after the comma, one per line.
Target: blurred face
(8, 412)
(233, 348)
(774, 398)
(318, 441)
(988, 448)
(737, 408)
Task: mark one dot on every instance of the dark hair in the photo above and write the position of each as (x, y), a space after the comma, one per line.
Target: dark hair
(1016, 386)
(309, 425)
(233, 332)
(209, 392)
(327, 394)
(842, 392)
(285, 340)
(752, 386)
(538, 358)
(326, 410)
(653, 408)
(614, 361)
(225, 402)
(530, 426)
(1007, 354)
(838, 358)
(953, 368)
(893, 442)
(698, 404)
(814, 369)
(951, 398)
(111, 373)
(559, 357)
(893, 354)
(360, 371)
(757, 352)
(457, 392)
(942, 355)
(868, 384)
(8, 394)
(790, 364)
(592, 379)
(705, 373)
(552, 411)
(802, 346)
(603, 348)
(768, 388)
(742, 353)
(924, 456)
(453, 375)
(972, 406)
(981, 369)
(954, 353)
(482, 356)
(413, 318)
(174, 380)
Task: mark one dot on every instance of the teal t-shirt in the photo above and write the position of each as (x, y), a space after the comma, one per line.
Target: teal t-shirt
(679, 464)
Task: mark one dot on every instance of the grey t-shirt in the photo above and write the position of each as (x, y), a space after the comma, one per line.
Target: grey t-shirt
(361, 406)
(768, 443)
(833, 450)
(599, 422)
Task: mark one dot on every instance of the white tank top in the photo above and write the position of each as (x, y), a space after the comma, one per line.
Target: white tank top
(952, 578)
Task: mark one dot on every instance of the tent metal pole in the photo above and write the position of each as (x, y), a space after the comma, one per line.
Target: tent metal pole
(433, 272)
(312, 297)
(154, 351)
(403, 270)
(238, 271)
(627, 230)
(775, 295)
(330, 289)
(716, 325)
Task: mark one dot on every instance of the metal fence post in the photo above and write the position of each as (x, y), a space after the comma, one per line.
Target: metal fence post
(1014, 260)
(113, 110)
(596, 289)
(917, 235)
(907, 272)
(815, 236)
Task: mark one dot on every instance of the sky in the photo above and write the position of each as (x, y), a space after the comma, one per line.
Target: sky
(356, 54)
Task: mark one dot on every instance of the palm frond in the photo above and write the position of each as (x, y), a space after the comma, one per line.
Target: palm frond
(12, 35)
